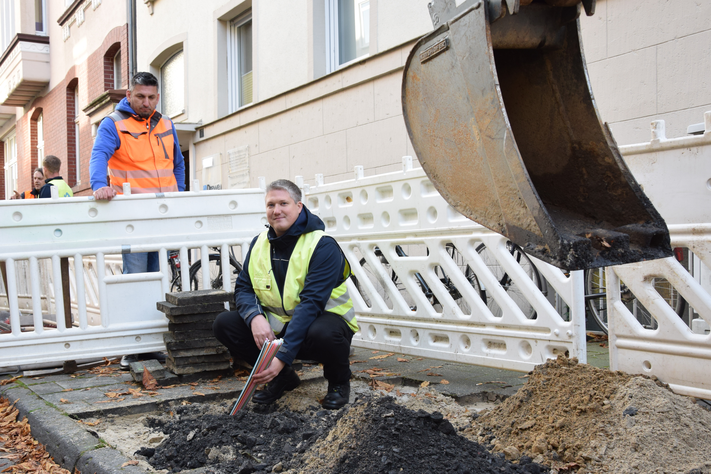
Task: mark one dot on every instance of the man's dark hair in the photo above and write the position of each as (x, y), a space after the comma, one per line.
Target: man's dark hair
(288, 186)
(52, 163)
(144, 79)
(39, 168)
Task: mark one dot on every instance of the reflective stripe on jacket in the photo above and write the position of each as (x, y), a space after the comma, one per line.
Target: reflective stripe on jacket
(145, 157)
(278, 309)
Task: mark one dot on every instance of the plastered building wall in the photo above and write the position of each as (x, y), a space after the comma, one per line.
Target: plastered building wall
(649, 61)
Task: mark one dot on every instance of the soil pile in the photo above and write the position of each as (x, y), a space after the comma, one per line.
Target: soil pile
(578, 418)
(374, 435)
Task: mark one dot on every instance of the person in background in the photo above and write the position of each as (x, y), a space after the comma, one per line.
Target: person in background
(52, 165)
(138, 146)
(37, 182)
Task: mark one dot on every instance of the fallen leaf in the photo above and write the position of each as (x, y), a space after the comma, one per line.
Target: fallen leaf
(424, 384)
(185, 402)
(432, 374)
(130, 463)
(8, 381)
(198, 393)
(374, 352)
(194, 384)
(148, 381)
(114, 400)
(113, 394)
(383, 356)
(68, 390)
(378, 385)
(64, 400)
(92, 423)
(400, 359)
(357, 362)
(444, 382)
(430, 368)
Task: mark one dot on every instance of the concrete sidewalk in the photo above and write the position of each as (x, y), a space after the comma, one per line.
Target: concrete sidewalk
(55, 404)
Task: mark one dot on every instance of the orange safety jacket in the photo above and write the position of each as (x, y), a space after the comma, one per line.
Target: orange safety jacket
(145, 157)
(28, 195)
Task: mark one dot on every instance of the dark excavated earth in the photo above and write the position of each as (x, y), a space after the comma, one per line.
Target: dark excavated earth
(372, 435)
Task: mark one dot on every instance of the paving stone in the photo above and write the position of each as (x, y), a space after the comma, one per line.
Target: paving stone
(195, 368)
(195, 334)
(198, 352)
(88, 381)
(187, 298)
(173, 343)
(171, 309)
(191, 318)
(47, 387)
(204, 359)
(204, 325)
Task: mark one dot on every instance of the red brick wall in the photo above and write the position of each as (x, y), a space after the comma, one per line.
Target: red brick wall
(57, 110)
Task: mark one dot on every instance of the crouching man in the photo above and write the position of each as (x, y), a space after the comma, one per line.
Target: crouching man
(292, 286)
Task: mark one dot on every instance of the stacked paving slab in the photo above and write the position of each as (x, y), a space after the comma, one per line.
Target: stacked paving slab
(192, 347)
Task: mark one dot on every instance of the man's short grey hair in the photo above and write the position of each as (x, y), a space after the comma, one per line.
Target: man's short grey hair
(144, 79)
(288, 186)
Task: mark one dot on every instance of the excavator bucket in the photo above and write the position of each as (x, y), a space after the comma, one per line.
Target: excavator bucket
(501, 115)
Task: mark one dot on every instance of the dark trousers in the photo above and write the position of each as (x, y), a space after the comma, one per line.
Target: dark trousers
(327, 341)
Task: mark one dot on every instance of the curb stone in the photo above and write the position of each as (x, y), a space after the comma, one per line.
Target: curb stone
(69, 444)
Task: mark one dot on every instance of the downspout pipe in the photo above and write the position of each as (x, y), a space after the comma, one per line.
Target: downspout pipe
(131, 15)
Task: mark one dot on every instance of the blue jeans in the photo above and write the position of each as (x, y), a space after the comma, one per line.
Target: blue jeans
(140, 262)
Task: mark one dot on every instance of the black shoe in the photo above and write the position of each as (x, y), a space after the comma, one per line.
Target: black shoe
(337, 395)
(126, 361)
(286, 380)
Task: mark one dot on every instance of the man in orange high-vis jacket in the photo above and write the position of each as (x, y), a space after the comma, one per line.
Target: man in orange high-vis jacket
(37, 183)
(140, 147)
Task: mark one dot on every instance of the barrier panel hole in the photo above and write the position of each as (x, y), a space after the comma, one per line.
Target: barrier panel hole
(17, 216)
(408, 216)
(264, 221)
(384, 193)
(393, 334)
(57, 232)
(364, 197)
(647, 366)
(365, 221)
(446, 274)
(232, 205)
(346, 222)
(198, 224)
(372, 332)
(439, 340)
(491, 345)
(129, 229)
(555, 351)
(414, 337)
(363, 271)
(345, 199)
(432, 215)
(427, 188)
(138, 338)
(67, 345)
(525, 350)
(163, 208)
(330, 223)
(313, 203)
(93, 212)
(406, 191)
(327, 202)
(385, 219)
(465, 343)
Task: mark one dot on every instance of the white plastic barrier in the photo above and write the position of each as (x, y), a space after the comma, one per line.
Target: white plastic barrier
(431, 282)
(81, 230)
(676, 175)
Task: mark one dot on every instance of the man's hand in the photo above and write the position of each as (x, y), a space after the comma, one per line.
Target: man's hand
(104, 194)
(261, 330)
(271, 372)
(15, 195)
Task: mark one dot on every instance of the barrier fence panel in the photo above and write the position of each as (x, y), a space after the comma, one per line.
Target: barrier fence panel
(660, 311)
(430, 282)
(45, 241)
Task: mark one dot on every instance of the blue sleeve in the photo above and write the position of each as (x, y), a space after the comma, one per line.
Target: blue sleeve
(106, 143)
(325, 274)
(46, 191)
(246, 301)
(178, 162)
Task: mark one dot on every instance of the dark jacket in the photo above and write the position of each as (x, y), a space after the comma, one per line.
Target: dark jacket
(325, 274)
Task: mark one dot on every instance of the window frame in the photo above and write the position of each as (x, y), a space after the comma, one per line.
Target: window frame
(116, 61)
(333, 37)
(11, 174)
(39, 123)
(77, 142)
(163, 89)
(234, 61)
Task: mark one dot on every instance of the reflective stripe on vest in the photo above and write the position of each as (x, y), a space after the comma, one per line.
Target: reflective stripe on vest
(278, 311)
(144, 158)
(63, 188)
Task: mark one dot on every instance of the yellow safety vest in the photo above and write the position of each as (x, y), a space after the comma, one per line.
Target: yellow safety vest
(278, 311)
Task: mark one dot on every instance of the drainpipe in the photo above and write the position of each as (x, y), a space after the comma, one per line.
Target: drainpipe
(131, 14)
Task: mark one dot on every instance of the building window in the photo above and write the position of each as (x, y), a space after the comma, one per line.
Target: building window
(10, 166)
(7, 23)
(348, 31)
(239, 53)
(40, 140)
(172, 89)
(40, 17)
(77, 154)
(117, 70)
